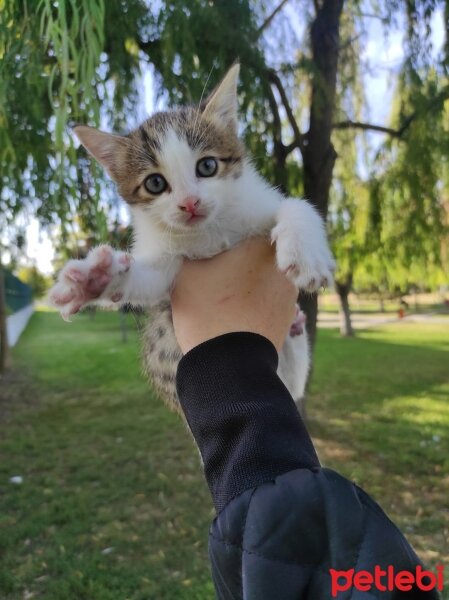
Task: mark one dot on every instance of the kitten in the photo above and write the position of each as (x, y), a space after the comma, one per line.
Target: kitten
(192, 192)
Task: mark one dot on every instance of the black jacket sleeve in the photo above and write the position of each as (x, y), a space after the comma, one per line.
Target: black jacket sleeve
(285, 526)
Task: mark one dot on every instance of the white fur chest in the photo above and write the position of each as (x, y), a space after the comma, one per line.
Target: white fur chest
(203, 243)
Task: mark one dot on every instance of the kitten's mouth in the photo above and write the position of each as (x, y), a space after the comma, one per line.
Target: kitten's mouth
(194, 218)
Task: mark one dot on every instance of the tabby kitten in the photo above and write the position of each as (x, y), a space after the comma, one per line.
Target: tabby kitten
(192, 192)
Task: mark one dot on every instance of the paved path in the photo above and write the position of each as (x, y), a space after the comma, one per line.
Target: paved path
(363, 321)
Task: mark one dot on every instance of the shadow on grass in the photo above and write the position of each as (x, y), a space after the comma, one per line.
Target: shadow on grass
(379, 413)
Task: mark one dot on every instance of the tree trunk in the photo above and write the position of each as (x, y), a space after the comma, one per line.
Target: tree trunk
(3, 332)
(343, 288)
(280, 169)
(318, 152)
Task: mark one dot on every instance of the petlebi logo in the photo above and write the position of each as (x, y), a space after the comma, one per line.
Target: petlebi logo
(387, 579)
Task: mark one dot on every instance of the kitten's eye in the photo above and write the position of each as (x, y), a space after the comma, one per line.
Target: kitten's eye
(155, 184)
(206, 167)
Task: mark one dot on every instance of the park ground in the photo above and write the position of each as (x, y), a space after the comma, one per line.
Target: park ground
(112, 504)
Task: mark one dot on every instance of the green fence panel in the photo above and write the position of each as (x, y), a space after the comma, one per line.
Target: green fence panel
(18, 294)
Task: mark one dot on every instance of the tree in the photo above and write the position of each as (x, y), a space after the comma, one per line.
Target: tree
(61, 62)
(393, 241)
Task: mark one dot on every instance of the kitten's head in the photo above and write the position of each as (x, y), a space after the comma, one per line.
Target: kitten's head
(176, 165)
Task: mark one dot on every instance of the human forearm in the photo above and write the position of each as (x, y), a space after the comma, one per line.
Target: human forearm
(243, 419)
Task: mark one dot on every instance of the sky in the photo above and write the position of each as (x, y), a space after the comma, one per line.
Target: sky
(384, 54)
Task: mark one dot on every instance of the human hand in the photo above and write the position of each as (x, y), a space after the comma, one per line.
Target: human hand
(238, 290)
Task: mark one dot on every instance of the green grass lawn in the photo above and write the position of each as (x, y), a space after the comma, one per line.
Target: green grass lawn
(113, 504)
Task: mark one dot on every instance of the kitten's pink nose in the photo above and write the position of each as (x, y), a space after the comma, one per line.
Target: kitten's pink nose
(190, 204)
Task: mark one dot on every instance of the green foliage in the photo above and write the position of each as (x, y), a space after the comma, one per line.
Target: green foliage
(409, 191)
(347, 220)
(62, 62)
(73, 34)
(389, 229)
(38, 282)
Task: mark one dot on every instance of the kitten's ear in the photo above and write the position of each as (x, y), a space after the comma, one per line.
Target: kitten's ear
(105, 147)
(222, 103)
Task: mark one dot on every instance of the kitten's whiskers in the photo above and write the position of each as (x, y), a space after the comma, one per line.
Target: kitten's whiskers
(198, 111)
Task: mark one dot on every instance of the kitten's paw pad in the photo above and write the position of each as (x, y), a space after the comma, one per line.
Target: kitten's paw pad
(76, 275)
(101, 257)
(298, 325)
(81, 281)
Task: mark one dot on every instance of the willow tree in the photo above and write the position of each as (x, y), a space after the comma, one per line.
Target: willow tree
(390, 228)
(59, 62)
(408, 191)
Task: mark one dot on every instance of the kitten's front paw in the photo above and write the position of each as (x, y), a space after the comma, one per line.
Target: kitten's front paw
(302, 252)
(97, 276)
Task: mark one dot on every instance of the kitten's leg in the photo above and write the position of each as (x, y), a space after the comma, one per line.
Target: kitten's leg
(301, 246)
(294, 363)
(107, 276)
(146, 284)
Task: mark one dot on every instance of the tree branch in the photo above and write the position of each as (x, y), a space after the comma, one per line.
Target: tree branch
(277, 133)
(398, 133)
(290, 147)
(298, 136)
(370, 16)
(268, 20)
(366, 127)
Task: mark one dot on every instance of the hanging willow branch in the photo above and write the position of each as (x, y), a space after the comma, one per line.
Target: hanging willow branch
(73, 33)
